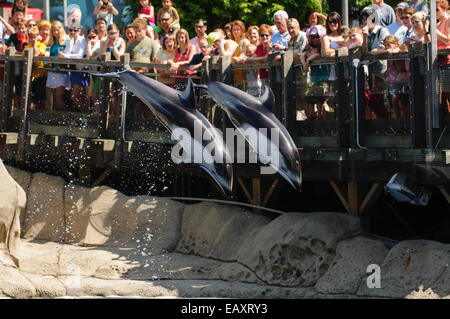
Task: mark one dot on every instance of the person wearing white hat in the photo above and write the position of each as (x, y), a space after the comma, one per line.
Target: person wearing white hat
(398, 29)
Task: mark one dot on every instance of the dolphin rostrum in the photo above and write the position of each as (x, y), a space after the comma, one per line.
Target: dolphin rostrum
(176, 111)
(250, 115)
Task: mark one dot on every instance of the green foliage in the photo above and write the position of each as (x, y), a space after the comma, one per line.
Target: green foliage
(252, 12)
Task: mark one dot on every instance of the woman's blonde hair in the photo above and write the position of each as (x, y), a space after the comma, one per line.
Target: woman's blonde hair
(183, 32)
(62, 34)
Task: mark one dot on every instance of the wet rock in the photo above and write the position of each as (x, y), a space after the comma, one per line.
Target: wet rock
(98, 216)
(12, 202)
(44, 215)
(297, 249)
(14, 284)
(349, 266)
(217, 231)
(158, 225)
(413, 266)
(46, 286)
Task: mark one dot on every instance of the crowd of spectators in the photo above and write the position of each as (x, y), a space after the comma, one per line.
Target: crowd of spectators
(159, 36)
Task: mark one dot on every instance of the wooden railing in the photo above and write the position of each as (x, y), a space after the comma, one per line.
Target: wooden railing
(347, 129)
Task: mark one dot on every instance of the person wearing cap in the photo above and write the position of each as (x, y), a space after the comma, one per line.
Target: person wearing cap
(386, 14)
(76, 49)
(419, 5)
(398, 29)
(222, 46)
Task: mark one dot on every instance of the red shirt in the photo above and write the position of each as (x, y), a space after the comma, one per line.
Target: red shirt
(260, 52)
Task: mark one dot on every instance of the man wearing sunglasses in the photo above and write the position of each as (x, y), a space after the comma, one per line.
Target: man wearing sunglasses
(161, 31)
(398, 29)
(200, 28)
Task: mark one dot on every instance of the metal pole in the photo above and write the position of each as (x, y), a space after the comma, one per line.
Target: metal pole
(345, 18)
(433, 69)
(65, 12)
(47, 10)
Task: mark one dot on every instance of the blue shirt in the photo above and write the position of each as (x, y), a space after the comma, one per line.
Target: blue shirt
(282, 39)
(399, 30)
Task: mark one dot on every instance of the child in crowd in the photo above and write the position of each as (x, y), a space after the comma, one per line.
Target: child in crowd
(39, 74)
(167, 7)
(147, 12)
(105, 9)
(92, 52)
(196, 63)
(344, 32)
(254, 83)
(312, 49)
(18, 40)
(397, 78)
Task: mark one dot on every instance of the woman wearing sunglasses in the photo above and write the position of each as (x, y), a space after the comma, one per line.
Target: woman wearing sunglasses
(262, 52)
(76, 49)
(116, 45)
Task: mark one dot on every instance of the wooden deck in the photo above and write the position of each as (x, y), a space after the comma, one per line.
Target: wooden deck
(346, 149)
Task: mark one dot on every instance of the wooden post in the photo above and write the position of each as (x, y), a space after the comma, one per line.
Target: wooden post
(103, 95)
(274, 84)
(343, 108)
(417, 100)
(289, 91)
(118, 148)
(24, 103)
(225, 77)
(8, 74)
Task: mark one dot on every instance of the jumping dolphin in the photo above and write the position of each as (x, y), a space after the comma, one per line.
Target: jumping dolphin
(251, 114)
(176, 111)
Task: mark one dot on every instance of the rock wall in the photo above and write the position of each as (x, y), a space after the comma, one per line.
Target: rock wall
(12, 201)
(99, 241)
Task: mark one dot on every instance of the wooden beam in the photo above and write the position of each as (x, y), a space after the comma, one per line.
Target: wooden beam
(353, 195)
(256, 191)
(244, 188)
(371, 197)
(269, 193)
(445, 193)
(102, 176)
(340, 193)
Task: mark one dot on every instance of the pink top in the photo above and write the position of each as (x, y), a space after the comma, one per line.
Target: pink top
(443, 59)
(146, 11)
(397, 72)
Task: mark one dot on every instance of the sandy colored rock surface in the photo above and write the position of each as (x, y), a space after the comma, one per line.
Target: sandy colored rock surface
(44, 215)
(143, 246)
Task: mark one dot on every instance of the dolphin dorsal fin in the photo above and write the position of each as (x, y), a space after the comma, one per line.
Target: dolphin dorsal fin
(188, 95)
(267, 99)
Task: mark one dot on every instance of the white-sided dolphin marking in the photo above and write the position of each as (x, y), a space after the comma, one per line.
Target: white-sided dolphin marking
(252, 114)
(175, 110)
